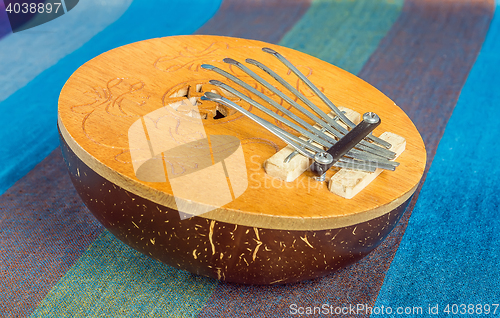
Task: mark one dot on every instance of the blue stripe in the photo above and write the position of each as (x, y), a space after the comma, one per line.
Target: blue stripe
(29, 115)
(26, 54)
(450, 251)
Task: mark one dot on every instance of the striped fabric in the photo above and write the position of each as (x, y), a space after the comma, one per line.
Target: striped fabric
(437, 59)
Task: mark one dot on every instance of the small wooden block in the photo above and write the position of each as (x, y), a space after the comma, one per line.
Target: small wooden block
(347, 183)
(353, 116)
(277, 168)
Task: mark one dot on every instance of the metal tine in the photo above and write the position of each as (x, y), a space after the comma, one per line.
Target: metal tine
(292, 140)
(265, 98)
(297, 143)
(283, 135)
(368, 165)
(293, 154)
(264, 83)
(377, 164)
(354, 166)
(359, 154)
(279, 107)
(334, 127)
(387, 153)
(272, 114)
(320, 94)
(356, 154)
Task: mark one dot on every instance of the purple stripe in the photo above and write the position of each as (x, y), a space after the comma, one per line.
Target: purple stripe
(263, 20)
(44, 228)
(424, 60)
(4, 21)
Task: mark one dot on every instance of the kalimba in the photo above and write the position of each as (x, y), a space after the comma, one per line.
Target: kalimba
(237, 159)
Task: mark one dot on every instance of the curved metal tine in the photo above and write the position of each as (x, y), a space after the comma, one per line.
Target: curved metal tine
(334, 128)
(283, 109)
(363, 144)
(355, 165)
(356, 154)
(295, 142)
(270, 101)
(290, 156)
(321, 95)
(369, 163)
(292, 89)
(273, 128)
(271, 113)
(283, 135)
(363, 156)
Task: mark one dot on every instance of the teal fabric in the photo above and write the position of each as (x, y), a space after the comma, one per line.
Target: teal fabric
(100, 285)
(344, 32)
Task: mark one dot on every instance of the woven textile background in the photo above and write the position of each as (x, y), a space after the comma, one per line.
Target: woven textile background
(437, 59)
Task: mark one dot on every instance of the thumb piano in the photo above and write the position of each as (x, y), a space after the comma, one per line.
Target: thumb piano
(226, 157)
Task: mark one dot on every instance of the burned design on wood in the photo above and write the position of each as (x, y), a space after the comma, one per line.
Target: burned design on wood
(190, 58)
(120, 98)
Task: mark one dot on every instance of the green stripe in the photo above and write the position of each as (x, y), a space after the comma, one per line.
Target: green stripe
(344, 33)
(113, 280)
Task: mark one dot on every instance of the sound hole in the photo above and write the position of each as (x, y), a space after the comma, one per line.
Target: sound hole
(219, 115)
(187, 100)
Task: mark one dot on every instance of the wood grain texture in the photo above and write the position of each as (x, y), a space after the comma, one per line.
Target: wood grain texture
(105, 96)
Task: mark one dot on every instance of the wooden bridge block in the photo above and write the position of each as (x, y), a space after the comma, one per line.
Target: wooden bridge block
(277, 168)
(347, 183)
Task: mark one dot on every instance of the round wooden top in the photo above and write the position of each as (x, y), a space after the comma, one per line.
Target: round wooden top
(120, 111)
